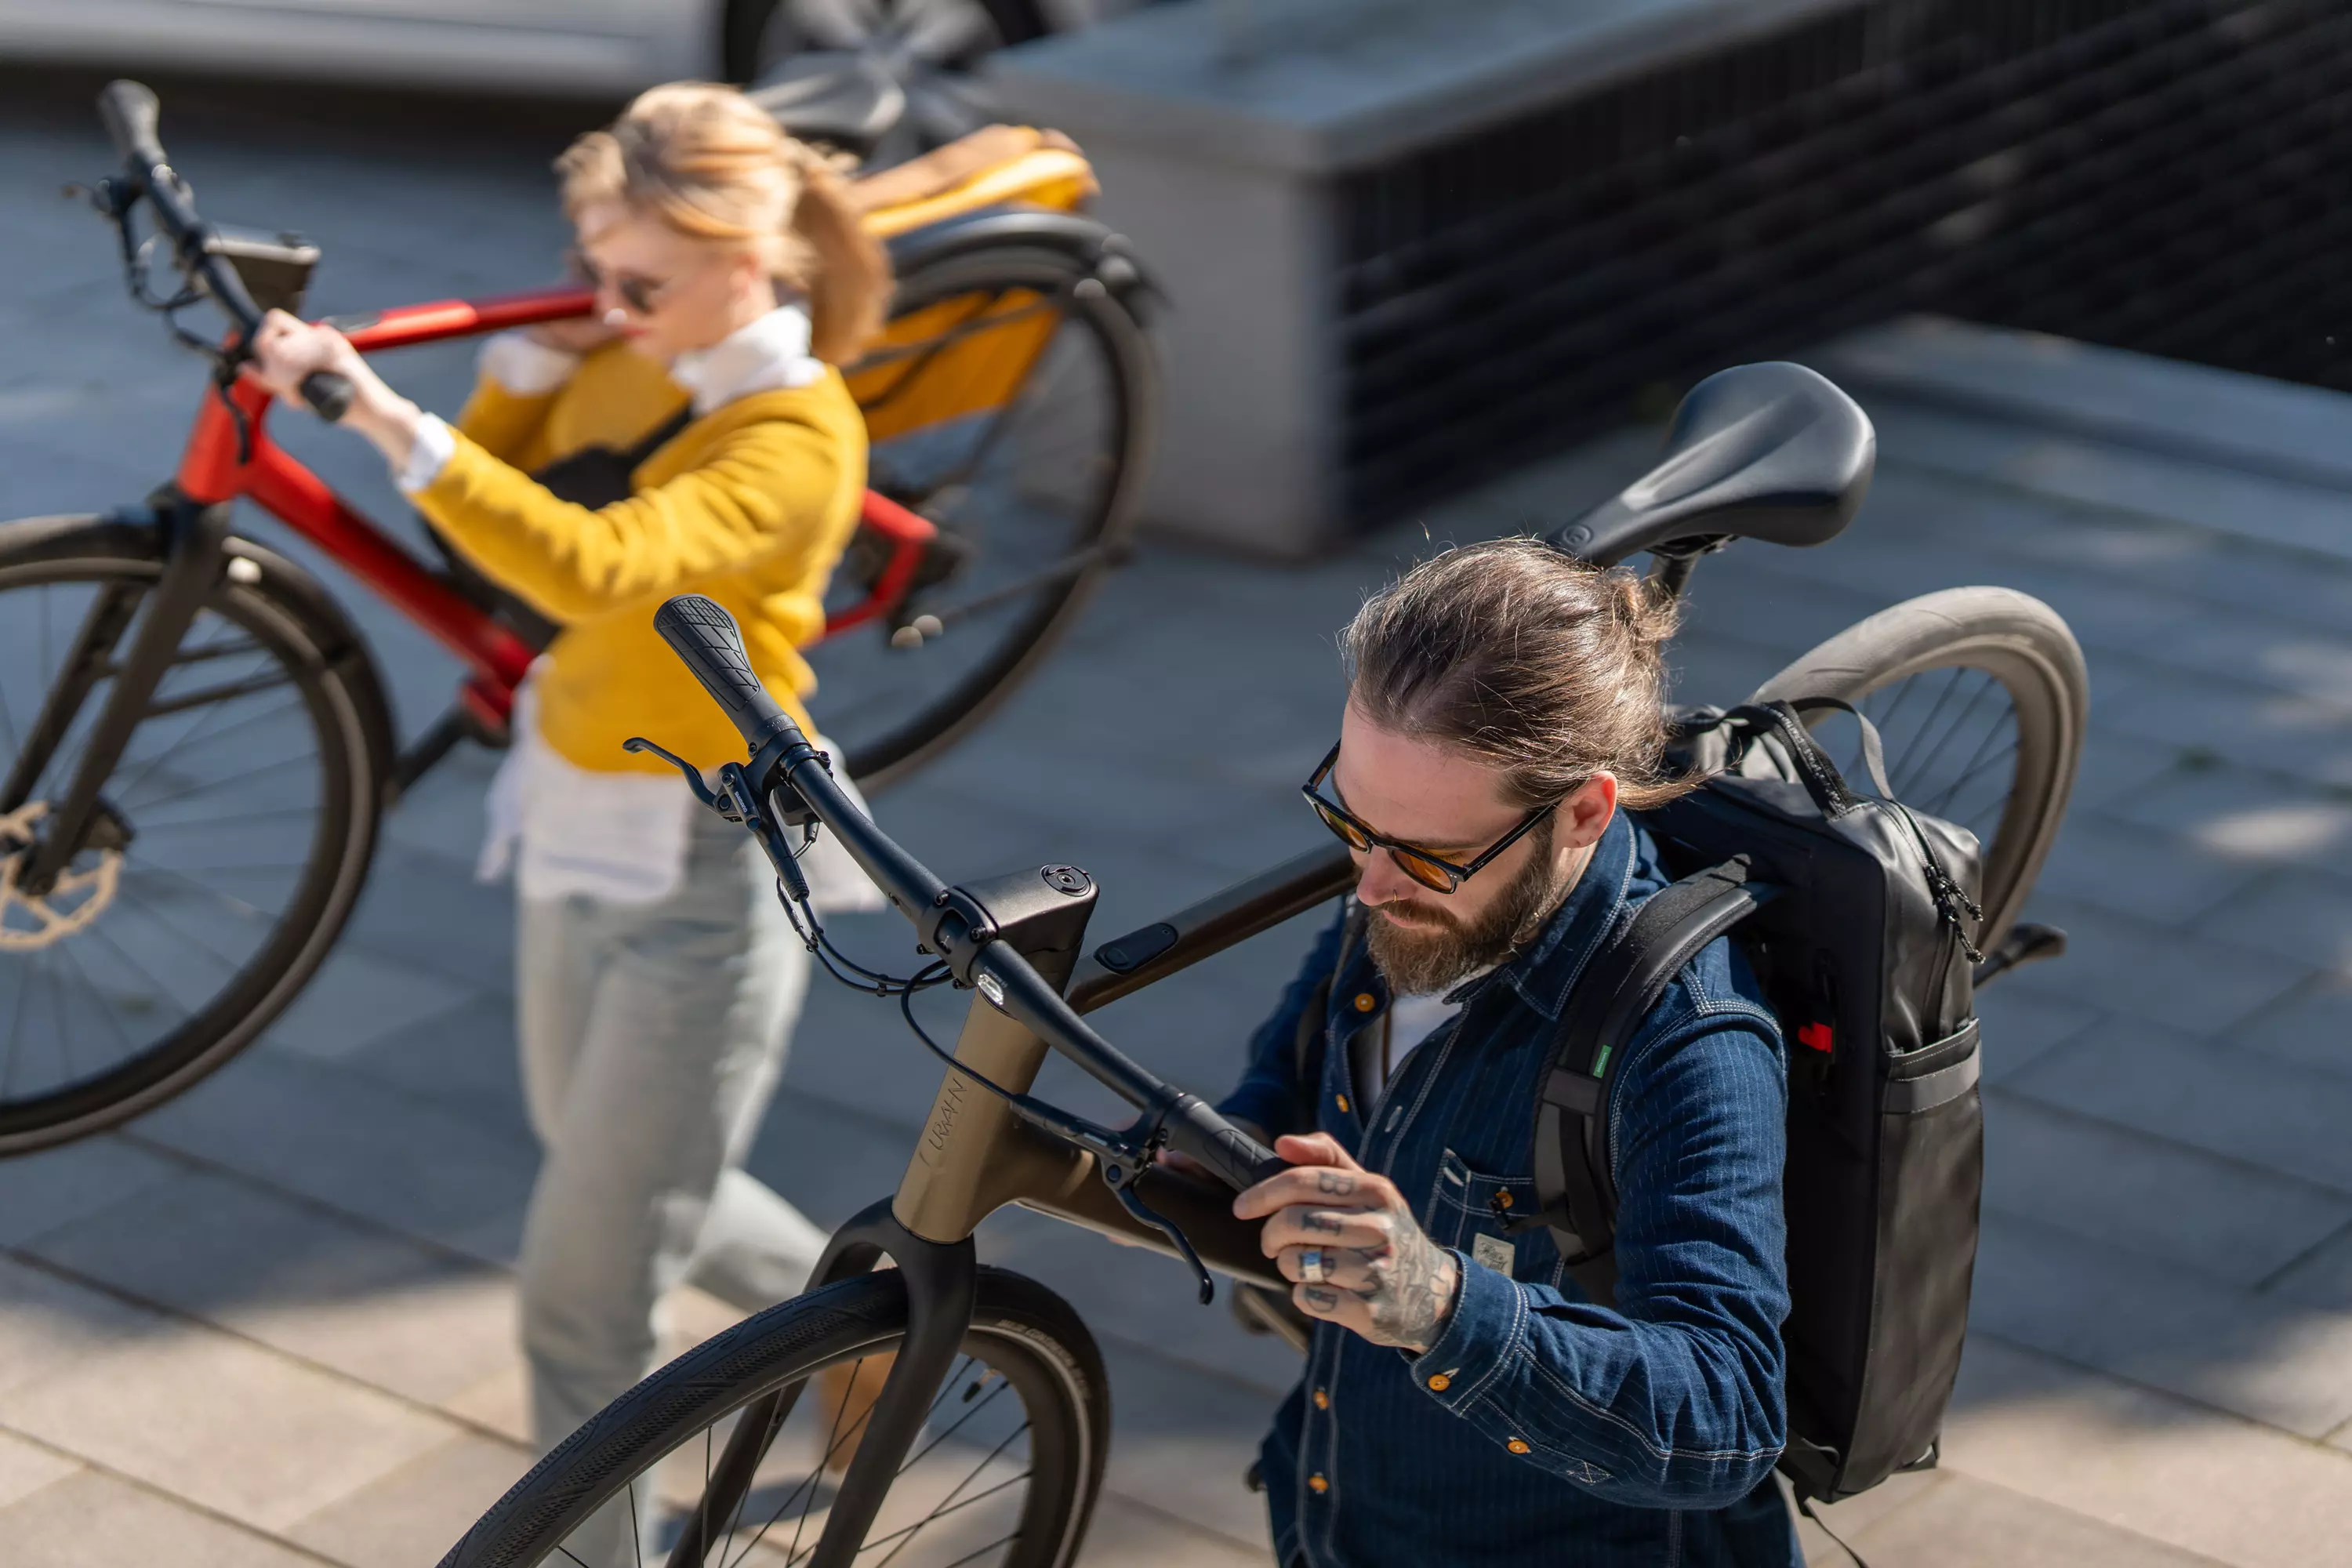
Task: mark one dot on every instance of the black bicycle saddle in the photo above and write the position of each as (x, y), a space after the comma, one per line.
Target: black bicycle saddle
(1770, 451)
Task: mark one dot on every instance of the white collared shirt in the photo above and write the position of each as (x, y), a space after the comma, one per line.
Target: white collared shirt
(622, 837)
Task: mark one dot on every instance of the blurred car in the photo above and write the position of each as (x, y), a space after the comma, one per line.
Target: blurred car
(544, 46)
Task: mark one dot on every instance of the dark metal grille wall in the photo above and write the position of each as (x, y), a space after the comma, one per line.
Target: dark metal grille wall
(2173, 176)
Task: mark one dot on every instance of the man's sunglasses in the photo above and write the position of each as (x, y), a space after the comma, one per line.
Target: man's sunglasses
(634, 290)
(1432, 871)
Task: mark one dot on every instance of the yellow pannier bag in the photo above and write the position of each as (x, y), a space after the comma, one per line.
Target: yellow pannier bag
(968, 353)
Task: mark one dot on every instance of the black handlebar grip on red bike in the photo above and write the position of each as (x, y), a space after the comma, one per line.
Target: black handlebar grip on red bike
(132, 117)
(328, 393)
(707, 639)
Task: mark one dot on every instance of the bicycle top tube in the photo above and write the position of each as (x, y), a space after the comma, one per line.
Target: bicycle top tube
(951, 923)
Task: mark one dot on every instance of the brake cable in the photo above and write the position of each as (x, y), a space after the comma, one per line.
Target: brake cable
(1122, 1156)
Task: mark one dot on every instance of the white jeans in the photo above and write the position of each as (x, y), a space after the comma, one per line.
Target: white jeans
(652, 1038)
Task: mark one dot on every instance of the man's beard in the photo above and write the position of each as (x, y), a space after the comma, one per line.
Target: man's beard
(1439, 950)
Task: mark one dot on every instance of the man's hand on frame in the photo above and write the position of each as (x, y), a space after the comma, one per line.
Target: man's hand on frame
(1349, 1244)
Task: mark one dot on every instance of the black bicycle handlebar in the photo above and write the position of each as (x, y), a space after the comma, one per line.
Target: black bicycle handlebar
(706, 638)
(133, 115)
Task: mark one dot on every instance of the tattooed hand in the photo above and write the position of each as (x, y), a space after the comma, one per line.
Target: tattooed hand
(1384, 1278)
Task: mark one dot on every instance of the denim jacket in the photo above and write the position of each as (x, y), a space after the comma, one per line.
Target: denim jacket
(1540, 1428)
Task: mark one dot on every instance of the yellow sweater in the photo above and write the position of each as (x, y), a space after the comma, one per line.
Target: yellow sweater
(750, 504)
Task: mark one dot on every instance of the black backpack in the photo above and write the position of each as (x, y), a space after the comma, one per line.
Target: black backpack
(1858, 916)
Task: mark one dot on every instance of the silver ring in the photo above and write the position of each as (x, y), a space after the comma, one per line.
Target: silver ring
(1311, 1266)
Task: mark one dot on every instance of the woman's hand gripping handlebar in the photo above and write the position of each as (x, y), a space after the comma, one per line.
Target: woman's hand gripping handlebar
(795, 780)
(133, 115)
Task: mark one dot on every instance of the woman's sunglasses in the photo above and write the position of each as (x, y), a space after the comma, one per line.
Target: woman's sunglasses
(634, 290)
(1434, 872)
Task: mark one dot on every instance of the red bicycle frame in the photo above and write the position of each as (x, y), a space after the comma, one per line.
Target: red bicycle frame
(212, 471)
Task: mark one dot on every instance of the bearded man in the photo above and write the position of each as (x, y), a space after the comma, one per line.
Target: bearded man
(1464, 1401)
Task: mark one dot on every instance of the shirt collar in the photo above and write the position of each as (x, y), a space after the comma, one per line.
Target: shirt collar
(1548, 971)
(759, 356)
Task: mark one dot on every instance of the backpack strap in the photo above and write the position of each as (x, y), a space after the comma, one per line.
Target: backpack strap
(1576, 1193)
(654, 439)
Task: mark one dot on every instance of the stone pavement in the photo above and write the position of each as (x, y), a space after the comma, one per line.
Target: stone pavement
(271, 1324)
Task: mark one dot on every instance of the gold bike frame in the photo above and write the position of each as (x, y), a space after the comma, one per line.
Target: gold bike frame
(974, 1156)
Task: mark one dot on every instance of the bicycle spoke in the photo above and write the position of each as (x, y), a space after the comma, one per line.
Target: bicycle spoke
(1970, 768)
(217, 783)
(154, 912)
(1918, 769)
(148, 767)
(952, 1431)
(941, 1513)
(636, 1533)
(147, 867)
(948, 1505)
(1000, 1541)
(98, 998)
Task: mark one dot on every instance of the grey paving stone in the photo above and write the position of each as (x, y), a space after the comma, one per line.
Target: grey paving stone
(2118, 767)
(1968, 1524)
(2307, 1027)
(1182, 1441)
(25, 1468)
(232, 1427)
(1128, 1534)
(2321, 1279)
(2162, 1466)
(357, 998)
(2127, 870)
(2278, 1363)
(2232, 1102)
(371, 1305)
(2145, 972)
(2259, 726)
(97, 1521)
(2020, 1026)
(417, 1512)
(462, 1061)
(359, 1146)
(46, 1322)
(57, 1186)
(2220, 1219)
(423, 911)
(2301, 914)
(2233, 811)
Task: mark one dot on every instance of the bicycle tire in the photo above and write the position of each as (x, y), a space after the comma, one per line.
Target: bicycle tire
(2017, 642)
(1019, 1329)
(968, 682)
(296, 632)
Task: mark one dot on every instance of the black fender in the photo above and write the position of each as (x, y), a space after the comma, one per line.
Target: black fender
(1101, 252)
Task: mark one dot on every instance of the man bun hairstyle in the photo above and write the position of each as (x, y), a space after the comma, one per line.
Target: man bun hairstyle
(1536, 662)
(715, 165)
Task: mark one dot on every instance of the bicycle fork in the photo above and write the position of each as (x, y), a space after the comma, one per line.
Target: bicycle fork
(942, 1286)
(195, 556)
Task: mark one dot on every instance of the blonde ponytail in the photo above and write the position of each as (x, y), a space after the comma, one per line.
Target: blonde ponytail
(713, 164)
(847, 274)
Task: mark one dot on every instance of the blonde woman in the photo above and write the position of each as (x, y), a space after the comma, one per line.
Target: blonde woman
(656, 980)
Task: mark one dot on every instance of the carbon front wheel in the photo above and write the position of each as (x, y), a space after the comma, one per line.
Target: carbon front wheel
(1981, 697)
(1003, 1475)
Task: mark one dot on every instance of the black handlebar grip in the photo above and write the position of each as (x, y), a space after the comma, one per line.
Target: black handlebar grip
(132, 116)
(1195, 1128)
(328, 393)
(707, 639)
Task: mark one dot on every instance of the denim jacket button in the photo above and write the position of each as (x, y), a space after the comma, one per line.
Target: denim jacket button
(1322, 1400)
(1440, 1382)
(1365, 1002)
(1318, 1484)
(1518, 1446)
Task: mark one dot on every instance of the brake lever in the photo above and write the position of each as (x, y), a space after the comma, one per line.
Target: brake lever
(1129, 1200)
(738, 803)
